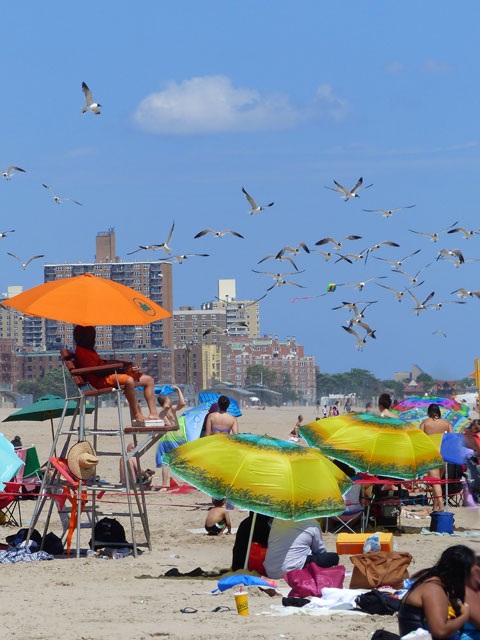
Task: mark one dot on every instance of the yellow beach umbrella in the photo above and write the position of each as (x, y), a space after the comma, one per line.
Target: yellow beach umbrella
(263, 474)
(374, 444)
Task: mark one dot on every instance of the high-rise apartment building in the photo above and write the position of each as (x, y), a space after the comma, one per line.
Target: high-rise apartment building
(151, 278)
(243, 311)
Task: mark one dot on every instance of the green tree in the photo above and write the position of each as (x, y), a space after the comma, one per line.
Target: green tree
(258, 374)
(51, 382)
(395, 387)
(427, 380)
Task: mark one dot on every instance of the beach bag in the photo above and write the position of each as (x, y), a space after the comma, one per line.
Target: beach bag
(257, 558)
(310, 580)
(381, 634)
(376, 603)
(109, 532)
(372, 570)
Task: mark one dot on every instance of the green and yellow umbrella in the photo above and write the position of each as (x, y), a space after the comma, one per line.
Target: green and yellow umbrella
(374, 444)
(263, 474)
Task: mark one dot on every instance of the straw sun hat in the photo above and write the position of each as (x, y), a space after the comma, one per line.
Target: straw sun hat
(81, 460)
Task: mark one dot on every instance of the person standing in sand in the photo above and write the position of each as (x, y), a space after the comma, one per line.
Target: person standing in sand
(434, 423)
(221, 421)
(168, 413)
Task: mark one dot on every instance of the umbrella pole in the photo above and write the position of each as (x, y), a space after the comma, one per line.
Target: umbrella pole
(250, 537)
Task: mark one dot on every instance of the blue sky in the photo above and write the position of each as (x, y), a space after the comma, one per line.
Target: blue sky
(201, 99)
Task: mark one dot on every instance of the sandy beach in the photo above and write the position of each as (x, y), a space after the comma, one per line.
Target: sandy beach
(91, 598)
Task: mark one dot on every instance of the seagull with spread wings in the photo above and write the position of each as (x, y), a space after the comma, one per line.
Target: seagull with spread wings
(3, 234)
(9, 172)
(217, 234)
(325, 254)
(90, 104)
(279, 276)
(421, 306)
(25, 264)
(466, 234)
(464, 293)
(359, 286)
(280, 283)
(399, 295)
(255, 207)
(396, 264)
(388, 212)
(293, 250)
(434, 236)
(439, 305)
(353, 306)
(184, 256)
(440, 332)
(164, 245)
(277, 257)
(222, 330)
(347, 194)
(454, 253)
(59, 199)
(336, 245)
(413, 279)
(361, 341)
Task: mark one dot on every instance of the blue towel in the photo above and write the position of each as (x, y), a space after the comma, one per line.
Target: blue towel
(165, 390)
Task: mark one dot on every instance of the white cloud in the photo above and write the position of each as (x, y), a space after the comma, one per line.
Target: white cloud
(395, 68)
(435, 66)
(211, 104)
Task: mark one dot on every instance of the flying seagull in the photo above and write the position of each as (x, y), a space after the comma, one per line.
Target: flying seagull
(353, 307)
(59, 199)
(326, 254)
(164, 245)
(399, 295)
(355, 256)
(255, 208)
(276, 257)
(360, 285)
(25, 264)
(464, 293)
(241, 305)
(388, 212)
(222, 330)
(4, 233)
(336, 245)
(421, 306)
(396, 264)
(183, 257)
(217, 234)
(280, 283)
(458, 263)
(90, 103)
(361, 341)
(440, 332)
(452, 253)
(377, 246)
(368, 329)
(439, 305)
(466, 234)
(278, 276)
(413, 279)
(146, 247)
(434, 236)
(348, 194)
(293, 250)
(9, 172)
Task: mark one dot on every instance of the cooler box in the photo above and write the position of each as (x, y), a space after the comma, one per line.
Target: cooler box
(352, 543)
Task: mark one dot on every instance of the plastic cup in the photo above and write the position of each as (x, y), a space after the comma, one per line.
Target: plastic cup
(241, 600)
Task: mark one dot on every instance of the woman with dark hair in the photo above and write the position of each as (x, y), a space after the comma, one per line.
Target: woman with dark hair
(434, 423)
(435, 601)
(471, 629)
(384, 404)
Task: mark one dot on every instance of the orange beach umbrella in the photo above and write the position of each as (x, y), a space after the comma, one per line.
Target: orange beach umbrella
(88, 300)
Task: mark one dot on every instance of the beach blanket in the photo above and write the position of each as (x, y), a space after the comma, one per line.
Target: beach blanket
(23, 554)
(461, 534)
(244, 579)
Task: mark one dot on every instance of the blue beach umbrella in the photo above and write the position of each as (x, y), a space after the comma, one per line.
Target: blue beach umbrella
(10, 463)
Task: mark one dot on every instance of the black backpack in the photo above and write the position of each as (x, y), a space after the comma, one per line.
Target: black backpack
(109, 532)
(374, 602)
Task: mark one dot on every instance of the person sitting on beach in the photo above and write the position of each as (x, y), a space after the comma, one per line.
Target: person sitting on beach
(168, 413)
(221, 421)
(217, 518)
(129, 376)
(435, 601)
(434, 423)
(384, 404)
(145, 477)
(293, 545)
(471, 629)
(294, 431)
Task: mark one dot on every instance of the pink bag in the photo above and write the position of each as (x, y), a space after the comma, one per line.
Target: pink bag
(310, 580)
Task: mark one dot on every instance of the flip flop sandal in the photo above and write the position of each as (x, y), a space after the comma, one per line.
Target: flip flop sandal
(188, 610)
(221, 609)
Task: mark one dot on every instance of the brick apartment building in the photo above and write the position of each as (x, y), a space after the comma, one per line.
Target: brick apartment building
(281, 357)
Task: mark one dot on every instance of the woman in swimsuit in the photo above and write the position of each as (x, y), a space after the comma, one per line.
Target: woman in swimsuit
(221, 421)
(435, 601)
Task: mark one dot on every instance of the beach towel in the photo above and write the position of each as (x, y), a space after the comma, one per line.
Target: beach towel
(245, 579)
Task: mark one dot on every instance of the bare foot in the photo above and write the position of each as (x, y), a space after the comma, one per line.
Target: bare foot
(139, 417)
(153, 416)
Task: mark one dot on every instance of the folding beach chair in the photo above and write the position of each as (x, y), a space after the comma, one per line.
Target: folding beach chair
(351, 514)
(9, 502)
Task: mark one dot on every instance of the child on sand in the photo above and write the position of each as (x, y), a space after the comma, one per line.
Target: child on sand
(218, 518)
